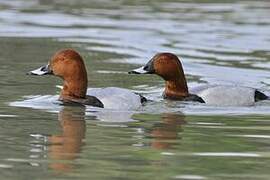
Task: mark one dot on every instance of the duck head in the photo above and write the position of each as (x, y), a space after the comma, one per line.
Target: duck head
(68, 65)
(169, 67)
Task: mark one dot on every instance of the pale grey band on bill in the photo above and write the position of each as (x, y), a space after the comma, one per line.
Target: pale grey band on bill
(139, 71)
(40, 71)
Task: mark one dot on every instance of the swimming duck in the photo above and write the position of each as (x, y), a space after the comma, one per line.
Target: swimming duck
(169, 67)
(69, 65)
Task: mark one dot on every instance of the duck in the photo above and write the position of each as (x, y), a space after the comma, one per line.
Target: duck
(69, 65)
(169, 67)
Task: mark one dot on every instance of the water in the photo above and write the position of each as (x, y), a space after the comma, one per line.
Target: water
(218, 41)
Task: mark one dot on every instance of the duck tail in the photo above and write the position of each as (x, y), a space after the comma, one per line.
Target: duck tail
(143, 99)
(259, 96)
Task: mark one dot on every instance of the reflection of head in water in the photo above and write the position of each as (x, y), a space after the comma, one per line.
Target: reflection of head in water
(67, 145)
(165, 132)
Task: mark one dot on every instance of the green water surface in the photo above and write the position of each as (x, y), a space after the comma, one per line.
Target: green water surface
(218, 41)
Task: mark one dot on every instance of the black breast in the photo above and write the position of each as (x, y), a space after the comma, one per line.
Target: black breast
(193, 97)
(190, 97)
(88, 100)
(259, 96)
(93, 101)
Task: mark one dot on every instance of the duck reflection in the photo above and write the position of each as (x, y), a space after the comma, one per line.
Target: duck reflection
(67, 145)
(166, 132)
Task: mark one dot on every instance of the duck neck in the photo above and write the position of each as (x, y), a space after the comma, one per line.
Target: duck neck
(176, 89)
(74, 88)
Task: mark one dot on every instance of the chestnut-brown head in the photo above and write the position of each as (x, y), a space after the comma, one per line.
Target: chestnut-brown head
(64, 63)
(166, 65)
(169, 67)
(69, 65)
